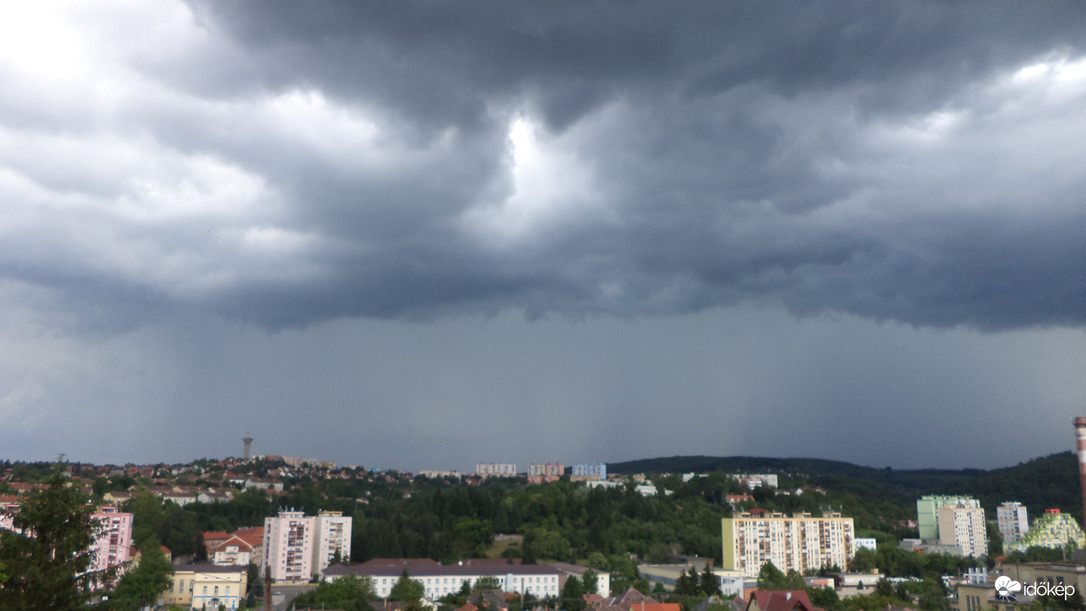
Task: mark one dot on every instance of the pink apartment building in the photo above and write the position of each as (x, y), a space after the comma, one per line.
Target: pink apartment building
(545, 472)
(112, 546)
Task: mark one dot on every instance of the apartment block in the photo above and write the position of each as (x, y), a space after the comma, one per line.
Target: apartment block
(297, 546)
(113, 542)
(490, 469)
(545, 472)
(333, 539)
(927, 512)
(800, 542)
(594, 471)
(1053, 530)
(756, 480)
(1013, 521)
(963, 525)
(288, 547)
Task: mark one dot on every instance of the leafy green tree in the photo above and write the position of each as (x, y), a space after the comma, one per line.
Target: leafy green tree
(573, 594)
(408, 591)
(457, 599)
(883, 587)
(591, 581)
(771, 578)
(863, 561)
(826, 598)
(349, 593)
(47, 557)
(142, 585)
(487, 582)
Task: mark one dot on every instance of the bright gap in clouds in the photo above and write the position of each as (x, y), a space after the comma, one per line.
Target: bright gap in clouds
(550, 188)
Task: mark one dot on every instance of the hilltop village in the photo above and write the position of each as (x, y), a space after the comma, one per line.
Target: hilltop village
(273, 531)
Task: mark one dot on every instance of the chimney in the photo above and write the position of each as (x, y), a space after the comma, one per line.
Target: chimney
(1080, 436)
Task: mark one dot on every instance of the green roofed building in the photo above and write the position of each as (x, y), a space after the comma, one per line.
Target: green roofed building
(1052, 530)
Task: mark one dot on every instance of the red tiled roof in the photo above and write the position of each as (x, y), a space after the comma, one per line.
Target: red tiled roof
(780, 600)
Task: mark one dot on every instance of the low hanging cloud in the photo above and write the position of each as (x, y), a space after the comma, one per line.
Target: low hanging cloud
(288, 163)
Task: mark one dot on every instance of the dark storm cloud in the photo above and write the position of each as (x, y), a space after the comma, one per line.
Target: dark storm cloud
(354, 159)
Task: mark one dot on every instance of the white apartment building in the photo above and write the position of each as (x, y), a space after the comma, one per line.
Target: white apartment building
(288, 547)
(439, 580)
(963, 525)
(490, 469)
(1013, 521)
(333, 538)
(799, 543)
(756, 480)
(297, 546)
(589, 471)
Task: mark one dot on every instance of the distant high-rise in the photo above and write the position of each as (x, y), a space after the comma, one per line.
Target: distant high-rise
(248, 447)
(1080, 436)
(1013, 521)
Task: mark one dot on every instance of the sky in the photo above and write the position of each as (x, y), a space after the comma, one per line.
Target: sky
(427, 235)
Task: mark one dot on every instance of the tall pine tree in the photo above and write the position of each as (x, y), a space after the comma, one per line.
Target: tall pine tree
(47, 557)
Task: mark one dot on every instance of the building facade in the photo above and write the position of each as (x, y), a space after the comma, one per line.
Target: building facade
(439, 580)
(297, 547)
(490, 469)
(206, 586)
(333, 539)
(288, 547)
(927, 512)
(545, 472)
(964, 526)
(1013, 521)
(1053, 530)
(113, 543)
(800, 542)
(590, 471)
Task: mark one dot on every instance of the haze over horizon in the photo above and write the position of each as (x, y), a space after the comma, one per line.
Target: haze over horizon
(428, 235)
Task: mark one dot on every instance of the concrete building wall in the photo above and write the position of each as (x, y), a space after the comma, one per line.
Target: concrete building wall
(589, 471)
(489, 469)
(927, 512)
(964, 527)
(799, 543)
(288, 546)
(114, 541)
(1013, 521)
(333, 536)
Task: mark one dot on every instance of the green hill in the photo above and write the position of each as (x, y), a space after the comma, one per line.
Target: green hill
(1041, 483)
